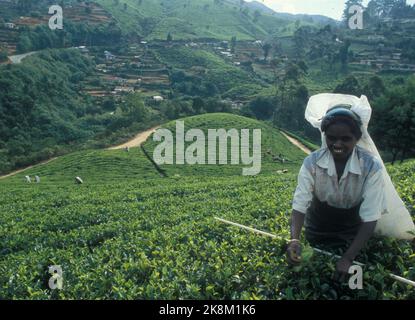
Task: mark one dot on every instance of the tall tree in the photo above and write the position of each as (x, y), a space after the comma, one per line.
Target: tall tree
(349, 86)
(393, 122)
(266, 47)
(233, 44)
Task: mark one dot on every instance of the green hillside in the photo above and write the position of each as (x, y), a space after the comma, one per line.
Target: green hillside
(186, 19)
(273, 144)
(96, 166)
(157, 239)
(103, 166)
(128, 233)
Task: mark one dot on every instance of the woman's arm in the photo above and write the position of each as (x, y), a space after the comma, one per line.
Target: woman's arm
(363, 235)
(297, 222)
(294, 246)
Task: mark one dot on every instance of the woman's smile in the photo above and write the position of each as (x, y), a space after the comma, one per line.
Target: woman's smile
(340, 141)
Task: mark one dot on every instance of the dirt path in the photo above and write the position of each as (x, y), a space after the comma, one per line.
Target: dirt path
(297, 143)
(24, 169)
(137, 140)
(19, 57)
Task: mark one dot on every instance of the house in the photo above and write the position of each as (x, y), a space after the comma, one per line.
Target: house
(225, 53)
(10, 25)
(109, 55)
(83, 49)
(123, 89)
(396, 56)
(158, 98)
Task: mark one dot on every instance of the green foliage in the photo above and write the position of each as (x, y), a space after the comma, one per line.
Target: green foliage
(292, 96)
(262, 107)
(194, 20)
(3, 55)
(74, 34)
(349, 86)
(394, 120)
(217, 75)
(38, 101)
(128, 234)
(273, 144)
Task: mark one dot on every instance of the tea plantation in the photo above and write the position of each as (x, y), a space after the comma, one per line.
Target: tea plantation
(128, 233)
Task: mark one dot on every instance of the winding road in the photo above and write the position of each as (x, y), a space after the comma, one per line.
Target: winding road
(137, 140)
(296, 143)
(134, 142)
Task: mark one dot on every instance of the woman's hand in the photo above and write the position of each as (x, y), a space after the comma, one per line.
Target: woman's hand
(342, 268)
(294, 252)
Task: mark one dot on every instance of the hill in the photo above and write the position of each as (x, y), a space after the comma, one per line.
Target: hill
(185, 19)
(104, 166)
(274, 146)
(147, 237)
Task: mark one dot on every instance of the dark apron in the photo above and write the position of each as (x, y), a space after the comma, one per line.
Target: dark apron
(330, 227)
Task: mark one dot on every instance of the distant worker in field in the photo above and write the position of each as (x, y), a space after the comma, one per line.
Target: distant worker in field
(340, 196)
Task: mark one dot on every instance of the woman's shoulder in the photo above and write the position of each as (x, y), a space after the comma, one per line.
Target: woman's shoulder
(368, 160)
(311, 160)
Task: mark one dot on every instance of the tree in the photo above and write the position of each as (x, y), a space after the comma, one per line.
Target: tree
(233, 44)
(302, 39)
(393, 122)
(349, 86)
(262, 107)
(198, 105)
(266, 48)
(169, 37)
(257, 15)
(134, 108)
(344, 55)
(3, 55)
(24, 44)
(25, 5)
(291, 97)
(374, 88)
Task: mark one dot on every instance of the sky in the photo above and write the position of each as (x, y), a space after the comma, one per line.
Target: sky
(330, 8)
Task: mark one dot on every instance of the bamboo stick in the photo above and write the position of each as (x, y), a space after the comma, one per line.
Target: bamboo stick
(393, 276)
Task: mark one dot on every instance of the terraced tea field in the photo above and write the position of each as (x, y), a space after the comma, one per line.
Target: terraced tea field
(127, 233)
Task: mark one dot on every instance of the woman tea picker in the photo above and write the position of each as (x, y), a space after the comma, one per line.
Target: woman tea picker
(344, 191)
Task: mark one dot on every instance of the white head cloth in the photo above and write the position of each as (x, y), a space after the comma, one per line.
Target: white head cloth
(396, 220)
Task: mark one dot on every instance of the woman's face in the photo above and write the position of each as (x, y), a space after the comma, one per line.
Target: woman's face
(340, 141)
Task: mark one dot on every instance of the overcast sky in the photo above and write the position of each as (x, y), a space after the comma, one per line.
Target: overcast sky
(330, 8)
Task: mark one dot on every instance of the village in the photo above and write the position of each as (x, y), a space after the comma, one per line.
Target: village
(137, 68)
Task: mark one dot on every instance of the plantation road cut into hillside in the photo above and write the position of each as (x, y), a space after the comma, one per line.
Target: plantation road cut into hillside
(296, 143)
(24, 169)
(16, 59)
(137, 140)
